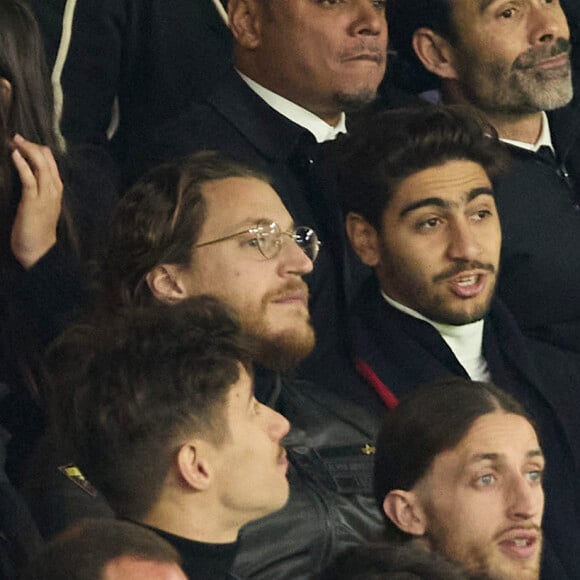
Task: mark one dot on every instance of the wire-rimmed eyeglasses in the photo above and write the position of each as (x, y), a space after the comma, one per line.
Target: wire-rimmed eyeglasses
(267, 238)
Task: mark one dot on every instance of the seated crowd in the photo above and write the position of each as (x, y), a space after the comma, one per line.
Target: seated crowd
(265, 315)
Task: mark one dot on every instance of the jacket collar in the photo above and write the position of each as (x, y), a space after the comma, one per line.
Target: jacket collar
(565, 130)
(275, 137)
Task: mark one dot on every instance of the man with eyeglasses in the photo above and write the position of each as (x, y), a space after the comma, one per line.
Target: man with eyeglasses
(210, 225)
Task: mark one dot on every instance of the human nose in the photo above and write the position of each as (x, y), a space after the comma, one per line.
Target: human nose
(278, 426)
(547, 22)
(525, 499)
(369, 18)
(293, 258)
(463, 242)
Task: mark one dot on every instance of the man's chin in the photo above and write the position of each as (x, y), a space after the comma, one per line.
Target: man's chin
(355, 101)
(513, 570)
(285, 351)
(499, 566)
(459, 317)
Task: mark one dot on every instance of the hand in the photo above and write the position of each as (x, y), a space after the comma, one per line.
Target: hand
(34, 228)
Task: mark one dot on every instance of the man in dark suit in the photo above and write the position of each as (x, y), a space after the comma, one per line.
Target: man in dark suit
(299, 67)
(419, 189)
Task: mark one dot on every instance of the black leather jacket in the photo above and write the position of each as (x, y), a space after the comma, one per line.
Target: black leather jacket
(331, 504)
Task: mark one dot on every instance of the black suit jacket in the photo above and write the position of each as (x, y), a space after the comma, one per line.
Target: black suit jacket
(539, 207)
(397, 352)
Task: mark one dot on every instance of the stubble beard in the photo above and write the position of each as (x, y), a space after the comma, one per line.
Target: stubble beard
(438, 312)
(479, 560)
(353, 102)
(433, 305)
(522, 89)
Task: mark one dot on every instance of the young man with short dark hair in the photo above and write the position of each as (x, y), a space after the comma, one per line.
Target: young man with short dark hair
(158, 407)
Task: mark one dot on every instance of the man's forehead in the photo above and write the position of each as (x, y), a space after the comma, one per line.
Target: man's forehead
(241, 202)
(495, 437)
(454, 182)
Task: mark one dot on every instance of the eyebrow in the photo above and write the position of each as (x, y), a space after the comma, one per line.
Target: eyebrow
(532, 454)
(439, 202)
(484, 4)
(251, 222)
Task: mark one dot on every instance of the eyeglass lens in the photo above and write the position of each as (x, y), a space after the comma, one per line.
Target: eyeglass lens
(269, 238)
(307, 240)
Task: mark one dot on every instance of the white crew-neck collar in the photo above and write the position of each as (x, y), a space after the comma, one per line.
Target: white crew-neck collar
(465, 341)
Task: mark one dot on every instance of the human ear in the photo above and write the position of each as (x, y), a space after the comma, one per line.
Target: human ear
(166, 283)
(435, 53)
(194, 469)
(363, 238)
(404, 510)
(5, 92)
(245, 21)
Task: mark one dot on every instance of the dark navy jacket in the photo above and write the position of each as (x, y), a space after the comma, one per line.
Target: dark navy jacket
(539, 207)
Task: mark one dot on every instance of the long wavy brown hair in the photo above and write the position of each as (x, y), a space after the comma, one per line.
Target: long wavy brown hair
(28, 110)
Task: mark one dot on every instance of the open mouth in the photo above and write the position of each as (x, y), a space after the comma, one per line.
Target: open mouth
(468, 284)
(521, 543)
(520, 548)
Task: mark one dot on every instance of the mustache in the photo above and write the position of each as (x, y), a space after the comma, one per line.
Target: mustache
(289, 289)
(533, 56)
(368, 47)
(461, 266)
(523, 527)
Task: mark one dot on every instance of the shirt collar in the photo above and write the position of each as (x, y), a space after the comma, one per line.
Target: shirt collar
(321, 130)
(545, 138)
(434, 96)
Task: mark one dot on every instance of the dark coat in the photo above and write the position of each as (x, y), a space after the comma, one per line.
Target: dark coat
(539, 208)
(397, 352)
(154, 56)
